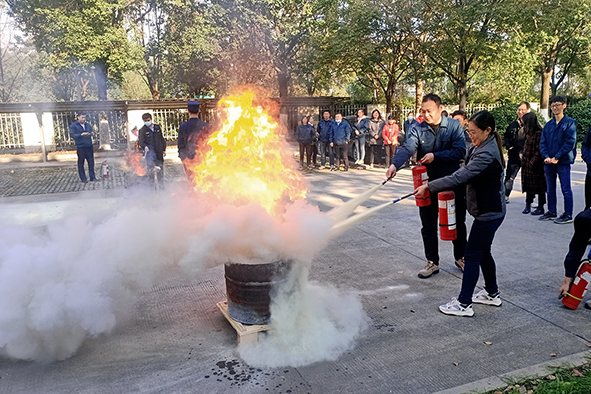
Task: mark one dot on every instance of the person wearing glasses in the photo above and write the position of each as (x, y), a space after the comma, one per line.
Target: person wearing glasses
(558, 149)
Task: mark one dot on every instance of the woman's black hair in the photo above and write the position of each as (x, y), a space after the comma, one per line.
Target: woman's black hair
(483, 120)
(531, 124)
(379, 114)
(307, 119)
(391, 116)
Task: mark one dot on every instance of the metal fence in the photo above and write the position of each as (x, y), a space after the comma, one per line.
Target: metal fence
(116, 119)
(11, 131)
(170, 120)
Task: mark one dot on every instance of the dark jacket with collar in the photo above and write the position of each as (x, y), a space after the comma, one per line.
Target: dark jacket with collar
(362, 126)
(514, 140)
(154, 138)
(560, 140)
(76, 130)
(188, 137)
(324, 129)
(341, 133)
(483, 176)
(448, 147)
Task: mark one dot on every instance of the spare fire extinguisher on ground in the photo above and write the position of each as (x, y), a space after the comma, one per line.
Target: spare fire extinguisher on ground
(447, 216)
(579, 286)
(105, 169)
(419, 178)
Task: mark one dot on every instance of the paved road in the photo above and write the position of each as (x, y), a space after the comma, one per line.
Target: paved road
(174, 340)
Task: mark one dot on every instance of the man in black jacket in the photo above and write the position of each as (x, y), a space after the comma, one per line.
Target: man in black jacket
(151, 142)
(189, 133)
(514, 141)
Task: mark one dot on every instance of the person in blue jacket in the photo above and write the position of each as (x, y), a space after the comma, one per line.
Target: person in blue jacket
(586, 153)
(361, 130)
(440, 146)
(324, 130)
(81, 132)
(339, 139)
(558, 149)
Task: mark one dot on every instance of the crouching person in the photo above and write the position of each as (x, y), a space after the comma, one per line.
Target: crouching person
(576, 249)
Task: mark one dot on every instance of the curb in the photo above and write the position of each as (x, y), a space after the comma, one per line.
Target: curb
(538, 370)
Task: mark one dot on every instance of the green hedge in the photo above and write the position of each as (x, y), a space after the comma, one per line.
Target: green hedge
(581, 112)
(507, 113)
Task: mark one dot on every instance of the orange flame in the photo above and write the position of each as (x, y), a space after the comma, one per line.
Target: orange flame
(133, 160)
(248, 160)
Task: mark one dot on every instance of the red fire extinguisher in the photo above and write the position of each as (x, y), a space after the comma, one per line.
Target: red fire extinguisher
(579, 286)
(419, 178)
(447, 215)
(105, 169)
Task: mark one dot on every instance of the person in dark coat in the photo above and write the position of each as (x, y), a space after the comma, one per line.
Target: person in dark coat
(305, 135)
(375, 126)
(152, 143)
(81, 132)
(339, 140)
(189, 132)
(513, 140)
(324, 129)
(533, 179)
(360, 131)
(440, 146)
(558, 147)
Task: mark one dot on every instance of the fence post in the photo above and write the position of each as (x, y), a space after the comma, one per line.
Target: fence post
(40, 121)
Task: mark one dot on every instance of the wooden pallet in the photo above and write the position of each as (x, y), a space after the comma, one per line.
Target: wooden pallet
(246, 333)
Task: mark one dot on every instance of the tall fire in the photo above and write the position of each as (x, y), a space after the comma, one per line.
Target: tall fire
(247, 160)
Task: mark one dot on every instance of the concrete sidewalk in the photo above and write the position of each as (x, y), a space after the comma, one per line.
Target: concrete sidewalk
(176, 340)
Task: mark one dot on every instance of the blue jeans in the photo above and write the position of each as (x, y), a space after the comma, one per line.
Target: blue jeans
(478, 257)
(563, 172)
(359, 148)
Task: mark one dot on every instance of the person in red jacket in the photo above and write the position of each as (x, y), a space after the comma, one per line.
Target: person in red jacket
(390, 135)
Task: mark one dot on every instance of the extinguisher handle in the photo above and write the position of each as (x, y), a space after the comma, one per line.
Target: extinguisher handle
(403, 197)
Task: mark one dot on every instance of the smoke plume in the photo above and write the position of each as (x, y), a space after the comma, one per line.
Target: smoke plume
(71, 279)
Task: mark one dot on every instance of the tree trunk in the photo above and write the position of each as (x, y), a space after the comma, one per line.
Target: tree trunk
(463, 93)
(389, 102)
(100, 73)
(419, 85)
(545, 96)
(283, 79)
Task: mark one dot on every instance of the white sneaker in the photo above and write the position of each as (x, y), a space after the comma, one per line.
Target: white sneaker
(484, 298)
(455, 308)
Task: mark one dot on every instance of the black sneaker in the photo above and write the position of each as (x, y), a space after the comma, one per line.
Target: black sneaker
(548, 216)
(564, 219)
(538, 211)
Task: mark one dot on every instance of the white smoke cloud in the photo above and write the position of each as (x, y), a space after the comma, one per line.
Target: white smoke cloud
(64, 282)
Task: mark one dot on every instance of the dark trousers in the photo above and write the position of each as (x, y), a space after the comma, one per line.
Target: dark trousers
(588, 191)
(87, 154)
(374, 151)
(563, 173)
(314, 152)
(338, 151)
(513, 167)
(429, 220)
(324, 149)
(478, 256)
(390, 152)
(305, 149)
(529, 198)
